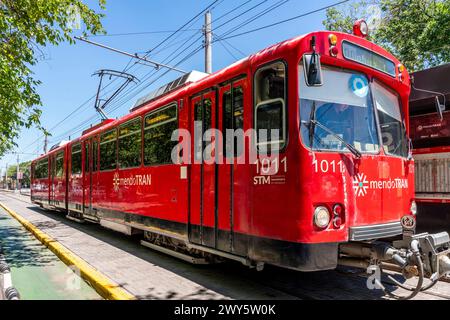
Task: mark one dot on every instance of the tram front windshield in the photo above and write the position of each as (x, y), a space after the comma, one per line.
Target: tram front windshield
(340, 112)
(340, 108)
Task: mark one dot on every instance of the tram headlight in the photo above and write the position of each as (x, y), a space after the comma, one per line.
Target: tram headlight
(321, 217)
(413, 208)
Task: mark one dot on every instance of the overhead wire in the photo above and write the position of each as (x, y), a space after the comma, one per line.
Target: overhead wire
(149, 75)
(225, 36)
(285, 20)
(128, 67)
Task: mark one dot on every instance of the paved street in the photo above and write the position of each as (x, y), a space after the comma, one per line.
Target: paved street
(151, 275)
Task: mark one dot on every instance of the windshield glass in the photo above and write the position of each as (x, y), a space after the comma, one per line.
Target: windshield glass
(393, 130)
(342, 105)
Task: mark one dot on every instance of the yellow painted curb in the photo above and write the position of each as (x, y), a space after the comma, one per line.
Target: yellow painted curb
(105, 287)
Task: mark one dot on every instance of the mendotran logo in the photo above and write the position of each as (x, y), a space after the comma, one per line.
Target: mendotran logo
(361, 184)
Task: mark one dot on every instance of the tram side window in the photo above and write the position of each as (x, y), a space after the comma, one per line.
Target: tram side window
(158, 129)
(233, 109)
(76, 159)
(41, 169)
(44, 167)
(108, 154)
(37, 170)
(130, 144)
(60, 164)
(270, 109)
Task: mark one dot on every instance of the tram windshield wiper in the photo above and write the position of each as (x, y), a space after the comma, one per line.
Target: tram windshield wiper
(349, 146)
(311, 124)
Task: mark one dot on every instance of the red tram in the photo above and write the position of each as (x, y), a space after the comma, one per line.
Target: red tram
(341, 177)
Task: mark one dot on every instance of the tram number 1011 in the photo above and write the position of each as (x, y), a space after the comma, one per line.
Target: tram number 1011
(326, 166)
(271, 166)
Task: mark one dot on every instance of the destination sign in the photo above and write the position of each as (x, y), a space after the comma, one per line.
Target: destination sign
(368, 58)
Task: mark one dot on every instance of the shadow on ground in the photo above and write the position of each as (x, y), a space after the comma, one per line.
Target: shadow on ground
(18, 246)
(229, 279)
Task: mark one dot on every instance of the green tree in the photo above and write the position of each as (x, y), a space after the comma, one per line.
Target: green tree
(25, 168)
(417, 32)
(25, 27)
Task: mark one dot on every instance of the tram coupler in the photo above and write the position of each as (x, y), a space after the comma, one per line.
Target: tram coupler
(423, 255)
(432, 249)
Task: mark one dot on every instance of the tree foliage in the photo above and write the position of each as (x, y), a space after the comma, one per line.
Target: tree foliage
(25, 168)
(25, 27)
(417, 32)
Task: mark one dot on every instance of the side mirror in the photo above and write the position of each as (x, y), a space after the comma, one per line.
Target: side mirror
(313, 69)
(439, 107)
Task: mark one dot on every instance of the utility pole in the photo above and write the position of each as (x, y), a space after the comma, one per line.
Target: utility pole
(17, 173)
(6, 177)
(208, 42)
(45, 144)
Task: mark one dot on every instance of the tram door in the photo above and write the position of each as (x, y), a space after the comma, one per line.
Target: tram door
(203, 196)
(52, 184)
(87, 177)
(231, 195)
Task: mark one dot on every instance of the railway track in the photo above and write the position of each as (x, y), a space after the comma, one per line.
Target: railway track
(278, 283)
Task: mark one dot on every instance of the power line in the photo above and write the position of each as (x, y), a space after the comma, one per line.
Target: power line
(128, 95)
(149, 75)
(232, 10)
(181, 28)
(285, 20)
(241, 14)
(258, 15)
(227, 50)
(187, 24)
(255, 17)
(222, 38)
(127, 68)
(223, 42)
(139, 33)
(85, 103)
(127, 98)
(237, 49)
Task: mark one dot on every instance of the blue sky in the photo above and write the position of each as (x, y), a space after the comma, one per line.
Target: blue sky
(65, 70)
